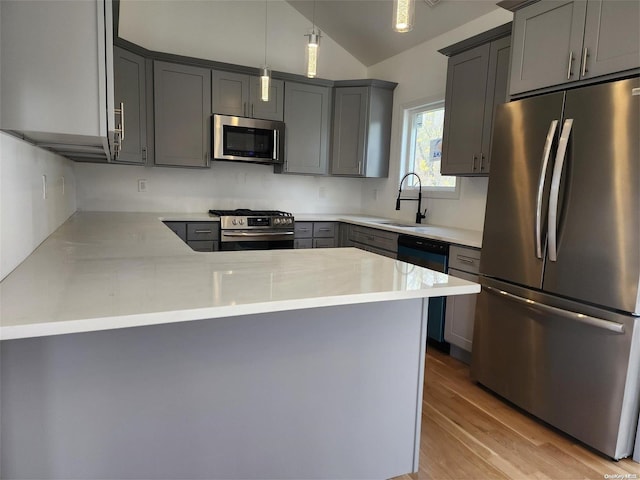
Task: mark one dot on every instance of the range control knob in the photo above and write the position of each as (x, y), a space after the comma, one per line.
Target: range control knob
(276, 221)
(241, 221)
(234, 221)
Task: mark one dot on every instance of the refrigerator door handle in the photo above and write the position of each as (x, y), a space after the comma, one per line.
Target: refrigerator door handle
(577, 317)
(554, 195)
(543, 174)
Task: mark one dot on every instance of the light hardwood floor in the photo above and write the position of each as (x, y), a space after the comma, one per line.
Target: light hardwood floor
(469, 433)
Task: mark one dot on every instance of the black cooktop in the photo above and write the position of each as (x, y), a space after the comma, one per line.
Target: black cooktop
(244, 212)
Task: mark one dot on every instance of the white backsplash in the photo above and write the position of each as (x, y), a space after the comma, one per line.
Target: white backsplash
(225, 186)
(26, 218)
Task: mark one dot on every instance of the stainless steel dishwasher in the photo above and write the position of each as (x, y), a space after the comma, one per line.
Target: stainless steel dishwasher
(434, 255)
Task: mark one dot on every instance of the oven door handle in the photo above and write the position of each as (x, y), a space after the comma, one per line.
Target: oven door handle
(256, 234)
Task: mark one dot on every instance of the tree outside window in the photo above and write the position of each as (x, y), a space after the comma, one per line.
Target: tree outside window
(423, 130)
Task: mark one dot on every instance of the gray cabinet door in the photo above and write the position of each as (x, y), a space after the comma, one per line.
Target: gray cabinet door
(274, 108)
(306, 115)
(182, 101)
(349, 130)
(465, 111)
(460, 314)
(230, 93)
(547, 44)
(611, 37)
(57, 75)
(497, 92)
(130, 92)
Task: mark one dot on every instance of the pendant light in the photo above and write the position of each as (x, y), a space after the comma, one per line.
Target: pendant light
(312, 47)
(403, 15)
(265, 71)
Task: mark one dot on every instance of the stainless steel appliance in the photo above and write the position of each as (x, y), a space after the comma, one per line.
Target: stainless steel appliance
(243, 139)
(556, 327)
(434, 255)
(255, 229)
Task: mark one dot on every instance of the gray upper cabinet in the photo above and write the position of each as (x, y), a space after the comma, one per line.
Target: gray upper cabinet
(611, 37)
(130, 96)
(477, 79)
(239, 95)
(361, 129)
(556, 42)
(182, 101)
(56, 75)
(307, 119)
(274, 108)
(230, 93)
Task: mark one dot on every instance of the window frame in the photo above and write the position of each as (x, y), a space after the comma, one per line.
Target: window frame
(408, 149)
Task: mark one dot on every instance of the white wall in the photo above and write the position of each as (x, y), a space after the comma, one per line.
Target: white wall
(224, 186)
(26, 219)
(233, 32)
(421, 74)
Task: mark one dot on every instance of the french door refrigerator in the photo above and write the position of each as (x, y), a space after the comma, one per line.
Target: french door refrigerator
(556, 327)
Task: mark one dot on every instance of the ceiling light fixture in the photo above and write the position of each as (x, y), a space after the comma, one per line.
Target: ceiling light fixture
(265, 71)
(403, 15)
(312, 47)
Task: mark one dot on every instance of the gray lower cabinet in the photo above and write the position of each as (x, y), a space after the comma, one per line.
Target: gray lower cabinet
(130, 97)
(182, 104)
(316, 235)
(56, 72)
(307, 119)
(200, 236)
(239, 95)
(361, 129)
(374, 240)
(557, 42)
(464, 263)
(476, 82)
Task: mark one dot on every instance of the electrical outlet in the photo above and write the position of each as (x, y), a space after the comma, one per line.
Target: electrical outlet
(44, 187)
(142, 185)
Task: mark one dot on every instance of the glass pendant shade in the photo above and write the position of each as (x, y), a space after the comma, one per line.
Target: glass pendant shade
(403, 11)
(265, 83)
(312, 54)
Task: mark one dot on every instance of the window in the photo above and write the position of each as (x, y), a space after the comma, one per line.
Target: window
(423, 126)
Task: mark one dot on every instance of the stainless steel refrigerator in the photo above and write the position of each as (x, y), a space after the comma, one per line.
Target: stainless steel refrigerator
(556, 326)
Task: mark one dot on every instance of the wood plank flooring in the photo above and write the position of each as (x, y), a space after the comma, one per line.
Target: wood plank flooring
(469, 433)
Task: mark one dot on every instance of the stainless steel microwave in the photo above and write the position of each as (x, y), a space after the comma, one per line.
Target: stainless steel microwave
(242, 139)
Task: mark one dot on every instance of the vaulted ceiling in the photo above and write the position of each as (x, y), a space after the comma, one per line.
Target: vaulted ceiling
(363, 27)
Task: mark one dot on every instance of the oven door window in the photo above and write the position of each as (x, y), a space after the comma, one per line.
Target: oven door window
(247, 142)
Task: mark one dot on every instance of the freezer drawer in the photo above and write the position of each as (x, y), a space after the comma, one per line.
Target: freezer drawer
(578, 373)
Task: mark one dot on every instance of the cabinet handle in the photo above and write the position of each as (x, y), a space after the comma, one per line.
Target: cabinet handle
(475, 159)
(468, 260)
(244, 108)
(482, 162)
(569, 67)
(584, 61)
(203, 231)
(252, 111)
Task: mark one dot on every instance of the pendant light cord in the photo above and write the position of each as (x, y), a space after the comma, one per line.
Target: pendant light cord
(266, 10)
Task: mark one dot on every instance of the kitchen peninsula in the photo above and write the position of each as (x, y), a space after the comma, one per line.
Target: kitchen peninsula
(125, 354)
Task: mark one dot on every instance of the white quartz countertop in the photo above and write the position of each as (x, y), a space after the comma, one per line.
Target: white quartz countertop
(102, 271)
(459, 236)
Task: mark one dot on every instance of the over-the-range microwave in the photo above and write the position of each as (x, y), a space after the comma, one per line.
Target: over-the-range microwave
(244, 139)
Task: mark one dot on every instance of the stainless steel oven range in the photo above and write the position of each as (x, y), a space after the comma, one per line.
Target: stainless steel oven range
(255, 229)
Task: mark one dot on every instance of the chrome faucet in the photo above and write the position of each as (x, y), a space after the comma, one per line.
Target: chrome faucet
(419, 215)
